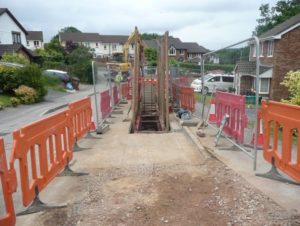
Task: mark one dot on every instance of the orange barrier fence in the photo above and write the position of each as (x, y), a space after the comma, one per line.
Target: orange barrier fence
(81, 113)
(43, 149)
(9, 184)
(124, 90)
(187, 98)
(279, 116)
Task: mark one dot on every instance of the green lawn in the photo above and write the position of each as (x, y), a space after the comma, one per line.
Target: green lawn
(5, 100)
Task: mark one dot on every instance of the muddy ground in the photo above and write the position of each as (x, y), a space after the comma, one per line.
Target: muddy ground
(208, 193)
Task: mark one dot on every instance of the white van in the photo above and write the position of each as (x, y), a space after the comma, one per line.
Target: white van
(219, 81)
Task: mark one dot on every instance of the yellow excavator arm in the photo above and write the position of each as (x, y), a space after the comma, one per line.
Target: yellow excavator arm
(128, 42)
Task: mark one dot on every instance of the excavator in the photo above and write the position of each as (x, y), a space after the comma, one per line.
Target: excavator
(125, 66)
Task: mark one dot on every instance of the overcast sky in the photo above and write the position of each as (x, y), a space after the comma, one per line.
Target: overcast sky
(211, 23)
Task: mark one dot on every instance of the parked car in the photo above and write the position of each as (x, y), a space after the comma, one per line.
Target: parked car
(219, 81)
(62, 75)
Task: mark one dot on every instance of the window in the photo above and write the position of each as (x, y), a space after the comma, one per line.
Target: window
(215, 79)
(172, 51)
(270, 48)
(114, 47)
(264, 85)
(261, 49)
(104, 47)
(132, 46)
(27, 43)
(16, 36)
(36, 43)
(96, 44)
(181, 52)
(87, 44)
(227, 79)
(190, 55)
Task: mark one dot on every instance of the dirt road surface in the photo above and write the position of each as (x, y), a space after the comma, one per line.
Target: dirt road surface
(154, 179)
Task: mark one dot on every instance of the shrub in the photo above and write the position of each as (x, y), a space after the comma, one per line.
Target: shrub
(27, 95)
(9, 79)
(292, 82)
(15, 58)
(31, 76)
(14, 101)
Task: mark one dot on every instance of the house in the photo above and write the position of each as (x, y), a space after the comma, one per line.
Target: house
(90, 40)
(279, 53)
(13, 35)
(113, 44)
(100, 45)
(182, 51)
(34, 40)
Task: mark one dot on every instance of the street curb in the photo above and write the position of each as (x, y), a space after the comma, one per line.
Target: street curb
(54, 109)
(202, 149)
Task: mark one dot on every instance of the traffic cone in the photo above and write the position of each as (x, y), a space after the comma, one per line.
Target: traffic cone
(260, 135)
(212, 111)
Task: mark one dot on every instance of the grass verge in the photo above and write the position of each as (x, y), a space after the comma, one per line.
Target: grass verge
(5, 101)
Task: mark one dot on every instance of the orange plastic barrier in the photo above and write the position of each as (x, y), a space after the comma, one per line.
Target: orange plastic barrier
(81, 113)
(187, 98)
(43, 149)
(287, 117)
(124, 90)
(9, 185)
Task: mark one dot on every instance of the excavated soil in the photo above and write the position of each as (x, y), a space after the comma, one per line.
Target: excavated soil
(208, 193)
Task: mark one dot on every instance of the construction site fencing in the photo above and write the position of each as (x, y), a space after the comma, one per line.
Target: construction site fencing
(81, 114)
(108, 93)
(187, 98)
(240, 128)
(234, 106)
(105, 107)
(42, 148)
(9, 184)
(124, 90)
(116, 95)
(281, 142)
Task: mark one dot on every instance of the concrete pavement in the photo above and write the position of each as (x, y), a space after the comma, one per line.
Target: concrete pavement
(286, 195)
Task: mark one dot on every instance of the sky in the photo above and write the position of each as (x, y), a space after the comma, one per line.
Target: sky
(212, 23)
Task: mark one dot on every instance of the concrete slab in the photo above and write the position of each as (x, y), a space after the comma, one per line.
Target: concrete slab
(191, 122)
(286, 195)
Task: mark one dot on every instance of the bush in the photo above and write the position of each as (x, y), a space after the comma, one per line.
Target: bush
(15, 58)
(27, 95)
(9, 80)
(31, 76)
(83, 71)
(228, 68)
(14, 101)
(292, 82)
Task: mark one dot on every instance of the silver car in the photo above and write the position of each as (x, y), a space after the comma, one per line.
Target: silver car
(219, 81)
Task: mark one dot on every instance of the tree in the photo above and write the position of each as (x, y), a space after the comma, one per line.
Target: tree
(70, 29)
(292, 82)
(148, 36)
(151, 56)
(233, 55)
(272, 16)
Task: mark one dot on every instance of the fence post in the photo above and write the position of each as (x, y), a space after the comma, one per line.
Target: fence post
(9, 185)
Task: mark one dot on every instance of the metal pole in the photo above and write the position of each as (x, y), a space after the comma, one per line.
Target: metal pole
(235, 44)
(110, 87)
(256, 101)
(96, 102)
(202, 87)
